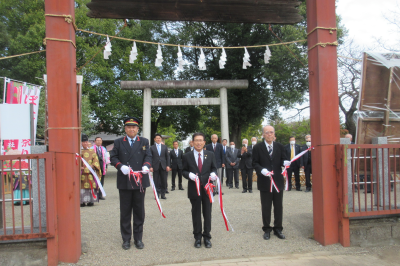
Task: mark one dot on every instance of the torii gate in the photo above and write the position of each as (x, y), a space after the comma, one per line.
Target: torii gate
(323, 86)
(148, 102)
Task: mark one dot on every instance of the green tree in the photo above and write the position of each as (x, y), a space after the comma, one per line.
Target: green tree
(298, 129)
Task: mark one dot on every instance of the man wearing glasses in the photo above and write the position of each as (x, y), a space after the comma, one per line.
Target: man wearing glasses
(269, 156)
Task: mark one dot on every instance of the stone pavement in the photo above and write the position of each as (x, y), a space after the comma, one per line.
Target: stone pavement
(170, 241)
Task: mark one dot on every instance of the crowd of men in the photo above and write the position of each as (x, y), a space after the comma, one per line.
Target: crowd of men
(201, 164)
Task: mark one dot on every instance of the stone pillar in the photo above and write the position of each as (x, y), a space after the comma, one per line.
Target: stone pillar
(146, 124)
(35, 189)
(380, 172)
(223, 95)
(349, 166)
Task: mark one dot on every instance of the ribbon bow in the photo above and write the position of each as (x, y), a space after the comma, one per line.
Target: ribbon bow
(210, 189)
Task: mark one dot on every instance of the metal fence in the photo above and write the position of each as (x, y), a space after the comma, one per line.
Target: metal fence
(370, 184)
(28, 212)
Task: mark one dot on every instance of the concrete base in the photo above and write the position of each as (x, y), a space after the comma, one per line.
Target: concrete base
(375, 232)
(32, 253)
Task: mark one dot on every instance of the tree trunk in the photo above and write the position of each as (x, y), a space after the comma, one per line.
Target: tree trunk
(235, 135)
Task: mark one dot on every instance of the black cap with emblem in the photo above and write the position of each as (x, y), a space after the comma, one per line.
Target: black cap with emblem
(131, 121)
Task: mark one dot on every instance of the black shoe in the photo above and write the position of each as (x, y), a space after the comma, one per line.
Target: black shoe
(139, 244)
(82, 205)
(267, 235)
(216, 193)
(250, 191)
(230, 187)
(172, 189)
(244, 191)
(163, 197)
(279, 234)
(126, 245)
(207, 243)
(299, 189)
(237, 187)
(90, 204)
(167, 191)
(17, 203)
(308, 190)
(102, 198)
(181, 188)
(197, 243)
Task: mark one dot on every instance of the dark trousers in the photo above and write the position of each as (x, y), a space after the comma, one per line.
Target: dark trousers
(99, 194)
(267, 199)
(160, 180)
(131, 202)
(179, 172)
(230, 173)
(202, 202)
(307, 173)
(296, 171)
(222, 175)
(247, 174)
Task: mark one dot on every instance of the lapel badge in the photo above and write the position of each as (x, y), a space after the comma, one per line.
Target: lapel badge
(144, 148)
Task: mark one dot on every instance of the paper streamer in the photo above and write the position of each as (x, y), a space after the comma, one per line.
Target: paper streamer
(202, 60)
(134, 53)
(222, 59)
(159, 58)
(267, 55)
(180, 59)
(197, 181)
(246, 59)
(107, 49)
(93, 173)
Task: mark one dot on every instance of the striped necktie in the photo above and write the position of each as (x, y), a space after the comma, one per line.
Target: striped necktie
(270, 150)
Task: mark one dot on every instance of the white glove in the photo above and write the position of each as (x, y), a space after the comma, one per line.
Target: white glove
(192, 176)
(286, 163)
(264, 172)
(213, 176)
(125, 169)
(145, 170)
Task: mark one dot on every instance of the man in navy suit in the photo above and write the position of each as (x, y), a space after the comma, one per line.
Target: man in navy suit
(176, 164)
(161, 163)
(270, 156)
(132, 152)
(201, 164)
(217, 148)
(292, 149)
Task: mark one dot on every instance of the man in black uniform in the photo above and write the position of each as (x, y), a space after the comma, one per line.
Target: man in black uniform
(176, 165)
(131, 152)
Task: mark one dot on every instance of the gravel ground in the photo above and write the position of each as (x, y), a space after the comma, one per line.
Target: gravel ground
(171, 240)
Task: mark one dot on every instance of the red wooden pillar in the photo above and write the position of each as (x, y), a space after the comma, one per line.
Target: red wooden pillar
(324, 109)
(62, 109)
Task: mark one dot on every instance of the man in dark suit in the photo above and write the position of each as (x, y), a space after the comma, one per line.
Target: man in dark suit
(217, 148)
(200, 164)
(131, 152)
(176, 164)
(190, 148)
(307, 163)
(161, 163)
(292, 149)
(232, 165)
(246, 166)
(223, 169)
(270, 156)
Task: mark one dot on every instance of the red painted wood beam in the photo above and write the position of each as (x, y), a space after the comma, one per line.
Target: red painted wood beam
(62, 109)
(324, 109)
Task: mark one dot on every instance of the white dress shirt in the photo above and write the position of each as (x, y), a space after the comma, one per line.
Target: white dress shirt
(196, 156)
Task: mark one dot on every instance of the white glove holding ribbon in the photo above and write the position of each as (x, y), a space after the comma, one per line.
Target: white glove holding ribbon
(145, 170)
(213, 176)
(265, 172)
(125, 170)
(192, 176)
(286, 163)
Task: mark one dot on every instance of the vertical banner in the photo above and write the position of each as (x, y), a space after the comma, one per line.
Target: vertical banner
(16, 92)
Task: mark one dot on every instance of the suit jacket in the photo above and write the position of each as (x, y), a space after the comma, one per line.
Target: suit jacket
(232, 156)
(137, 156)
(246, 160)
(261, 160)
(161, 160)
(190, 166)
(305, 156)
(176, 161)
(188, 149)
(219, 153)
(297, 150)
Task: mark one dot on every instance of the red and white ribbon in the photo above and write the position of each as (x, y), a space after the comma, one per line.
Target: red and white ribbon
(221, 205)
(210, 190)
(155, 194)
(270, 174)
(137, 176)
(197, 181)
(284, 172)
(93, 173)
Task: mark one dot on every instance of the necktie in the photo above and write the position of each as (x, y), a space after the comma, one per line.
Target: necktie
(270, 150)
(224, 150)
(214, 147)
(292, 153)
(199, 162)
(159, 149)
(132, 141)
(176, 153)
